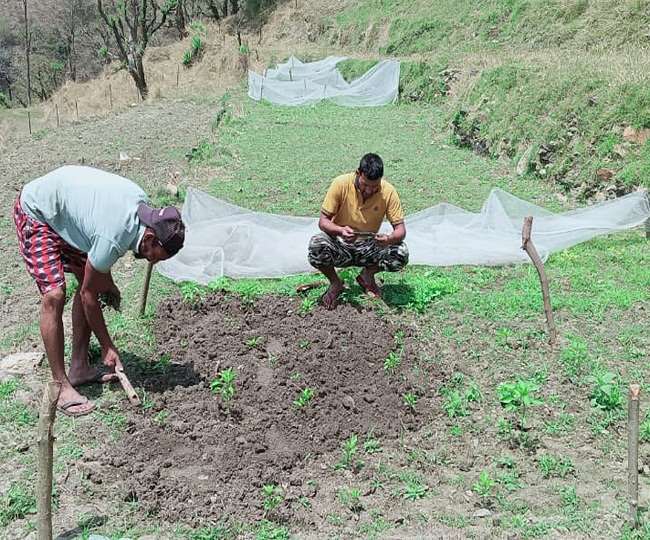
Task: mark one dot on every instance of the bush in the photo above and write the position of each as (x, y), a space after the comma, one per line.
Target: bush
(4, 101)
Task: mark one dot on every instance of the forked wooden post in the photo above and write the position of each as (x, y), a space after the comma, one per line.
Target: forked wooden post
(528, 246)
(633, 453)
(145, 289)
(45, 452)
(647, 229)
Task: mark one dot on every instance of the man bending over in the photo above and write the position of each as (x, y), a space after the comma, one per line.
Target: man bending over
(82, 220)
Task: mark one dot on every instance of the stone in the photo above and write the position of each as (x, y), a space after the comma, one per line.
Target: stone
(21, 363)
(482, 513)
(604, 175)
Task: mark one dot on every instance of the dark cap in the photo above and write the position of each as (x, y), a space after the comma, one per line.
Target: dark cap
(167, 224)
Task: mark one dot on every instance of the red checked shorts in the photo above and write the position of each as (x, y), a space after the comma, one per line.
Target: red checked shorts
(46, 254)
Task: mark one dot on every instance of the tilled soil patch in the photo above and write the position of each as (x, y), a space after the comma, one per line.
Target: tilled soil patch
(194, 458)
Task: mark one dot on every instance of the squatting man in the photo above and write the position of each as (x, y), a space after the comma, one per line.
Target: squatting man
(354, 207)
(81, 220)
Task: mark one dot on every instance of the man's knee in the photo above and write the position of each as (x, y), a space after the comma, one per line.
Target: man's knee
(319, 252)
(396, 259)
(53, 301)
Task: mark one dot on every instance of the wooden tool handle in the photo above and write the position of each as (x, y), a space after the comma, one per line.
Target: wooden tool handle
(124, 381)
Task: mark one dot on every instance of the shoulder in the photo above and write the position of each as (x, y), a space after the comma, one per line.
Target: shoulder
(387, 188)
(343, 180)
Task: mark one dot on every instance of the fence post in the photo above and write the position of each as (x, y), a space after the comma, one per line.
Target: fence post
(29, 121)
(76, 109)
(110, 96)
(45, 452)
(633, 454)
(58, 123)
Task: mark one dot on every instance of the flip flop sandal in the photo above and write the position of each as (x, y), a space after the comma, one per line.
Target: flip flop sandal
(65, 407)
(372, 291)
(333, 303)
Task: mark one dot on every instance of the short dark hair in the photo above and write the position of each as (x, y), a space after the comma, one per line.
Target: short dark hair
(372, 167)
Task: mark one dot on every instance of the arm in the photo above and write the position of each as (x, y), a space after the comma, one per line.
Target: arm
(398, 234)
(93, 285)
(326, 225)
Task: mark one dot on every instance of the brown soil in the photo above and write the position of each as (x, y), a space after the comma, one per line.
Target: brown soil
(209, 459)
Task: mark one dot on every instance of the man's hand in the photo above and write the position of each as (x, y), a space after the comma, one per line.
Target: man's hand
(111, 358)
(383, 240)
(348, 233)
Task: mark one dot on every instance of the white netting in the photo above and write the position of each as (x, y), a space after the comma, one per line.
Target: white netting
(226, 240)
(298, 83)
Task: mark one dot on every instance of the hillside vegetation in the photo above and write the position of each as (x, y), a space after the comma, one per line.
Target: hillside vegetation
(552, 85)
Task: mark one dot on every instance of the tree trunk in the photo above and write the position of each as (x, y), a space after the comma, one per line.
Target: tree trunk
(234, 6)
(136, 70)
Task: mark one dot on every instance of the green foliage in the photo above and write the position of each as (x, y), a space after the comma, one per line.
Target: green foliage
(17, 503)
(371, 445)
(197, 45)
(8, 388)
(273, 497)
(552, 466)
(103, 52)
(191, 291)
(224, 384)
(410, 400)
(458, 393)
(304, 399)
(349, 458)
(354, 68)
(203, 153)
(518, 397)
(267, 530)
(254, 342)
(606, 393)
(414, 488)
(4, 101)
(484, 486)
(392, 362)
(574, 357)
(351, 499)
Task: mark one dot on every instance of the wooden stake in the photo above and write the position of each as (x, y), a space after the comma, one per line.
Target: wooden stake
(647, 229)
(145, 289)
(45, 453)
(633, 454)
(76, 108)
(178, 72)
(58, 123)
(126, 384)
(110, 96)
(528, 247)
(29, 121)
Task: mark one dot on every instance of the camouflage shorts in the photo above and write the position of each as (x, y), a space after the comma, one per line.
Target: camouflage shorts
(325, 250)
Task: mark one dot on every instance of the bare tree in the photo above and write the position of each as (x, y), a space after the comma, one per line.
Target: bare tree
(132, 23)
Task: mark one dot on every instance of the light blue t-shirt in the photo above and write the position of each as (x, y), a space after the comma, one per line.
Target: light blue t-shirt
(92, 210)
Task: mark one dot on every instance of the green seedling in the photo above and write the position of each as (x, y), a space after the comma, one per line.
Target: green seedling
(371, 445)
(455, 405)
(456, 431)
(606, 393)
(304, 399)
(410, 400)
(224, 384)
(554, 467)
(350, 449)
(392, 362)
(272, 497)
(414, 489)
(161, 417)
(351, 499)
(484, 486)
(254, 342)
(304, 343)
(518, 397)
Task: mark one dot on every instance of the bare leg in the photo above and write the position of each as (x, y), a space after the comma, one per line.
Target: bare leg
(335, 288)
(52, 333)
(367, 280)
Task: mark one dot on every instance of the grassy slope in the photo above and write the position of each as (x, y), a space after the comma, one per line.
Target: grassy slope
(565, 76)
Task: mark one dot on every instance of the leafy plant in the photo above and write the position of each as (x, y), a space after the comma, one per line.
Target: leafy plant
(392, 362)
(351, 499)
(272, 497)
(350, 449)
(552, 466)
(224, 384)
(16, 504)
(410, 400)
(304, 399)
(455, 405)
(254, 342)
(371, 445)
(414, 489)
(518, 397)
(606, 393)
(484, 486)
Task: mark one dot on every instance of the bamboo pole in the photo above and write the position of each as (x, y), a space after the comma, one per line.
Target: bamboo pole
(45, 453)
(145, 289)
(633, 454)
(528, 246)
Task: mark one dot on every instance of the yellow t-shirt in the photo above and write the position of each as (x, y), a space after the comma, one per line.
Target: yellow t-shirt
(346, 205)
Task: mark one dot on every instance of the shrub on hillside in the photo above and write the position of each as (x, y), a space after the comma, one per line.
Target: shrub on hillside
(4, 101)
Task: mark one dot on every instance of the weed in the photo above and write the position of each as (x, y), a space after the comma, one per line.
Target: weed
(8, 388)
(304, 343)
(371, 445)
(392, 362)
(351, 499)
(254, 342)
(563, 424)
(456, 431)
(484, 486)
(272, 497)
(348, 459)
(267, 530)
(224, 384)
(191, 292)
(414, 489)
(518, 397)
(410, 400)
(308, 304)
(509, 479)
(304, 399)
(16, 504)
(504, 427)
(304, 502)
(574, 357)
(455, 405)
(161, 417)
(644, 429)
(606, 393)
(555, 467)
